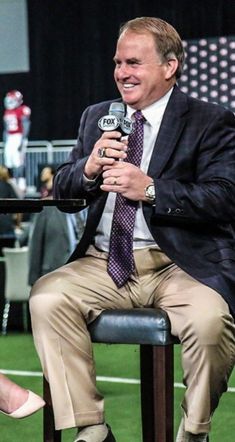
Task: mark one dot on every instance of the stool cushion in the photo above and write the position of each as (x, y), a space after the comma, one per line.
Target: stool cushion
(136, 326)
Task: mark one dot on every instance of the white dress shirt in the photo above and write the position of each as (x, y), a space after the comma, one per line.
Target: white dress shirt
(142, 237)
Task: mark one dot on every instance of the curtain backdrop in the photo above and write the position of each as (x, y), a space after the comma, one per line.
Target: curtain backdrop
(72, 43)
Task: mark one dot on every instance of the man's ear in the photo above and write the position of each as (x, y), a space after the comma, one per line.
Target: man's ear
(171, 68)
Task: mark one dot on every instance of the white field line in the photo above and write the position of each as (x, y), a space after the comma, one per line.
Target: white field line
(99, 378)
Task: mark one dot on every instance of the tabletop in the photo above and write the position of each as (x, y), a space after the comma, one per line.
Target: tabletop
(12, 205)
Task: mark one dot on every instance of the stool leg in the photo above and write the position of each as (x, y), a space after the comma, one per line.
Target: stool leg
(49, 432)
(163, 362)
(146, 375)
(25, 315)
(157, 393)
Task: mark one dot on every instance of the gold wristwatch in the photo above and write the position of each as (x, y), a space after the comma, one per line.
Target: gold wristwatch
(150, 192)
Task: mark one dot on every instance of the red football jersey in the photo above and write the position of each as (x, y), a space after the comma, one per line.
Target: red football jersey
(13, 119)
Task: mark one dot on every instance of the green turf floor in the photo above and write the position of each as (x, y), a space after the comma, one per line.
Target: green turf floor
(122, 400)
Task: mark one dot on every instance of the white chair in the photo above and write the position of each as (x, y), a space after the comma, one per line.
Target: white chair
(16, 282)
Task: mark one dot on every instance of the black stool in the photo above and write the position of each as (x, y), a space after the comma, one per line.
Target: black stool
(150, 328)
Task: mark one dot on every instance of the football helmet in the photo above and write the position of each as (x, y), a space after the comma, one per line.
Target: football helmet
(13, 99)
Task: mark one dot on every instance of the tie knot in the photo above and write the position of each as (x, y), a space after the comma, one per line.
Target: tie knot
(139, 116)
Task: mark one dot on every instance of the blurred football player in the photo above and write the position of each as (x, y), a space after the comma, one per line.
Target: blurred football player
(16, 123)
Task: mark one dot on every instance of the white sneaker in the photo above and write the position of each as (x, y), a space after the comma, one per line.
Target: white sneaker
(185, 436)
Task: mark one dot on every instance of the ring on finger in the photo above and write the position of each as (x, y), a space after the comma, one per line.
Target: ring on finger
(101, 152)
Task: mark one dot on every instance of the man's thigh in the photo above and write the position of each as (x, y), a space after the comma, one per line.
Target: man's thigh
(82, 285)
(187, 301)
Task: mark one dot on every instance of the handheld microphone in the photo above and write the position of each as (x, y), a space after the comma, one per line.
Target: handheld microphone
(116, 120)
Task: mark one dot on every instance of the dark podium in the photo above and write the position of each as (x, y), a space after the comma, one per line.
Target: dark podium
(11, 205)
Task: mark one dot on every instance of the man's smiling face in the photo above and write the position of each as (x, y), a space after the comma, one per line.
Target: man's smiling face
(141, 77)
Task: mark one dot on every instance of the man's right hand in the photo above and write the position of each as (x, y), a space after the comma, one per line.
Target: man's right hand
(106, 151)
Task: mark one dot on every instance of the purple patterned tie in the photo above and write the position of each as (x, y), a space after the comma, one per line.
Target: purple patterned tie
(121, 259)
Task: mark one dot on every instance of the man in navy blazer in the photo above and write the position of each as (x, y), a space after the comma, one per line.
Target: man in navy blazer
(183, 237)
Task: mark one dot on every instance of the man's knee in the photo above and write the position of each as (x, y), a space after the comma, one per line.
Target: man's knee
(212, 326)
(45, 299)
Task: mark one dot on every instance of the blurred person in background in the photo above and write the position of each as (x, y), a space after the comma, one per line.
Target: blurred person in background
(6, 176)
(8, 189)
(51, 231)
(16, 127)
(53, 237)
(46, 179)
(8, 222)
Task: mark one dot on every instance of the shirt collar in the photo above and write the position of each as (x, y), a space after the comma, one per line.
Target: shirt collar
(155, 109)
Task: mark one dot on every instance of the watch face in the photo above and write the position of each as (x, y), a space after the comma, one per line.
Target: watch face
(150, 192)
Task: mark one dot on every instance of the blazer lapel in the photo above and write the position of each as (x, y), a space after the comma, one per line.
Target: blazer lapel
(170, 130)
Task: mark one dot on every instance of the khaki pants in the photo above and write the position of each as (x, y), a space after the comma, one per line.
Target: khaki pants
(64, 301)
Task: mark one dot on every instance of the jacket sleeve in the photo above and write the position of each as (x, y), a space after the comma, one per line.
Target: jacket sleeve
(210, 196)
(69, 179)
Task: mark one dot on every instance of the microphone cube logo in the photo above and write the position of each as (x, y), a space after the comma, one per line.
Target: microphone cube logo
(127, 125)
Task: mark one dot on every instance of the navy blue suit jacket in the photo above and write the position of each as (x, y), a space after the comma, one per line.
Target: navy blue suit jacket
(193, 167)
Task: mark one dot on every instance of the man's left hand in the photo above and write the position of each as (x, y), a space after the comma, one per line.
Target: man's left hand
(127, 179)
